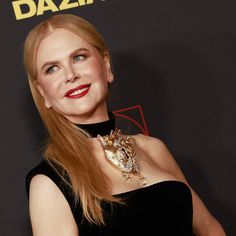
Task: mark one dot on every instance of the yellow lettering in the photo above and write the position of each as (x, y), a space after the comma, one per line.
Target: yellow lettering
(81, 2)
(50, 6)
(18, 10)
(21, 11)
(66, 4)
(89, 1)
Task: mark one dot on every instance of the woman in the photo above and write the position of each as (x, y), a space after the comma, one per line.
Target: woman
(94, 180)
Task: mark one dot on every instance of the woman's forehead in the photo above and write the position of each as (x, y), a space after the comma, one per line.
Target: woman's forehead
(59, 43)
(62, 38)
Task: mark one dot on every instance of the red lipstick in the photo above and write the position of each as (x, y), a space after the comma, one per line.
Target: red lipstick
(74, 93)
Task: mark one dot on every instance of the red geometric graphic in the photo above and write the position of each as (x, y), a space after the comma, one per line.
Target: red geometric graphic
(133, 118)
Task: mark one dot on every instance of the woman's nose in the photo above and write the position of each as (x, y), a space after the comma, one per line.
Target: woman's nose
(70, 74)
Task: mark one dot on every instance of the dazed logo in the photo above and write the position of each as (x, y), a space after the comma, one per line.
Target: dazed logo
(28, 8)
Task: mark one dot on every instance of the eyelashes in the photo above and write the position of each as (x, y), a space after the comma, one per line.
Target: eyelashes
(50, 70)
(79, 57)
(53, 68)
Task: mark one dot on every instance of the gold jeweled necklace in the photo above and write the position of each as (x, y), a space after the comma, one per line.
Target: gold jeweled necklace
(120, 152)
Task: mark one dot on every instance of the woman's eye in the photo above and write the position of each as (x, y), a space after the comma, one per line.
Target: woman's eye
(51, 69)
(79, 58)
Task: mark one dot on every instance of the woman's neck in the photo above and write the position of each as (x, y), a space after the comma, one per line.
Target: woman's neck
(101, 128)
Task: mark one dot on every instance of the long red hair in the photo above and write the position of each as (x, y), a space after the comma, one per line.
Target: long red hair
(69, 146)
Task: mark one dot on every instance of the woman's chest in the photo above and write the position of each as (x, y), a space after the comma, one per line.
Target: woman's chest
(121, 180)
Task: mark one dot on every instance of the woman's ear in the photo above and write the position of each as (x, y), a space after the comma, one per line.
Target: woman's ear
(110, 76)
(46, 102)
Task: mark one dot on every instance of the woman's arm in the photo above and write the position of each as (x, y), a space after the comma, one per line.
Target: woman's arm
(50, 213)
(204, 224)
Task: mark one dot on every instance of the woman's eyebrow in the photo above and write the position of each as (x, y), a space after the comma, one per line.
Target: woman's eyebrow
(56, 61)
(78, 51)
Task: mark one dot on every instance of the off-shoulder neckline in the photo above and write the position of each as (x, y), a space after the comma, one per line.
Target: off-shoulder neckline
(148, 187)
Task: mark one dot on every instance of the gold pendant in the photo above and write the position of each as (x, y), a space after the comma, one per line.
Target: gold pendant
(120, 152)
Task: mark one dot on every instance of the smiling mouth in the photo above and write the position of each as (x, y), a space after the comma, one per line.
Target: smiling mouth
(78, 92)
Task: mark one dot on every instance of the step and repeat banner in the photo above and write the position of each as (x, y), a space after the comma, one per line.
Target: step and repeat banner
(175, 79)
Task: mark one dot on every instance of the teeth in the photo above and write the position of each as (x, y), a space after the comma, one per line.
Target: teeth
(78, 91)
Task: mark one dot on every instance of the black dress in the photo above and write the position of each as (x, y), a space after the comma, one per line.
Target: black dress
(160, 209)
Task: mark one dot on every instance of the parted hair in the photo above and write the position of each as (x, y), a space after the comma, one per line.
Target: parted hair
(68, 146)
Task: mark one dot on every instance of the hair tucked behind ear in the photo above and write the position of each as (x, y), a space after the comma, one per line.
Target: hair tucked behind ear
(69, 146)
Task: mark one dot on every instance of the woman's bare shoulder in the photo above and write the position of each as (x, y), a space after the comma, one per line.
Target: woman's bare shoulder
(149, 143)
(42, 186)
(48, 206)
(159, 152)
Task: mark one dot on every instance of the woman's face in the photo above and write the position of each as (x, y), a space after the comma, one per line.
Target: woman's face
(72, 76)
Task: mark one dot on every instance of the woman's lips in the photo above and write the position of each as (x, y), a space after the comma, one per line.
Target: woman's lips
(78, 92)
